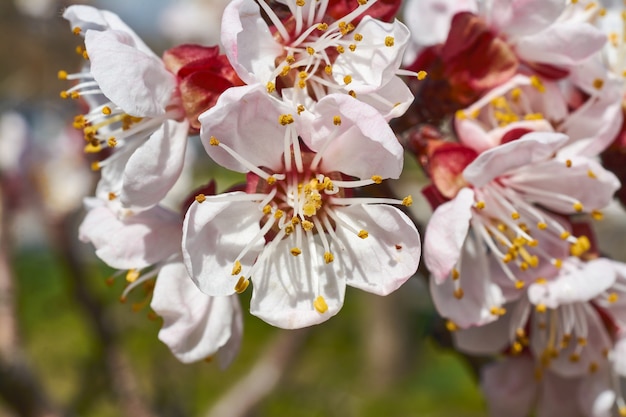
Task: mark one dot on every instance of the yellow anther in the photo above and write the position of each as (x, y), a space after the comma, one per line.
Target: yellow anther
(421, 75)
(474, 113)
(458, 293)
(451, 326)
(85, 55)
(328, 69)
(407, 201)
(62, 75)
(285, 119)
(502, 227)
(536, 82)
(542, 226)
(285, 70)
(302, 84)
(270, 87)
(523, 266)
(322, 26)
(574, 357)
(497, 311)
(132, 275)
(480, 205)
(290, 59)
(516, 348)
(112, 142)
(307, 225)
(358, 37)
(200, 198)
(267, 209)
(455, 274)
(76, 30)
(93, 147)
(278, 214)
(519, 284)
(362, 2)
(213, 141)
(389, 41)
(516, 93)
(581, 246)
(460, 114)
(352, 93)
(597, 215)
(515, 215)
(271, 180)
(541, 281)
(533, 242)
(303, 75)
(533, 116)
(95, 166)
(242, 284)
(377, 179)
(565, 234)
(106, 110)
(340, 49)
(310, 50)
(347, 79)
(300, 108)
(613, 297)
(352, 47)
(79, 50)
(622, 411)
(288, 229)
(363, 234)
(593, 367)
(295, 220)
(336, 120)
(328, 257)
(568, 163)
(295, 251)
(236, 268)
(591, 174)
(598, 83)
(74, 95)
(578, 207)
(541, 308)
(320, 305)
(112, 196)
(582, 341)
(558, 263)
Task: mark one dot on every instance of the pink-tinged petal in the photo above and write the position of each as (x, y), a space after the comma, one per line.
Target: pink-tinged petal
(90, 18)
(510, 387)
(214, 234)
(479, 295)
(155, 166)
(195, 325)
(555, 398)
(490, 339)
(593, 128)
(446, 164)
(248, 42)
(136, 241)
(363, 144)
(529, 149)
(246, 119)
(374, 62)
(577, 285)
(585, 181)
(596, 395)
(395, 91)
(388, 257)
(619, 357)
(524, 17)
(286, 286)
(135, 81)
(563, 43)
(429, 20)
(446, 233)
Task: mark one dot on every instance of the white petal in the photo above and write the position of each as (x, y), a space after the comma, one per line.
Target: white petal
(135, 81)
(362, 146)
(195, 325)
(246, 119)
(286, 286)
(510, 387)
(372, 64)
(489, 339)
(134, 242)
(248, 43)
(446, 233)
(388, 257)
(530, 148)
(524, 17)
(153, 169)
(214, 233)
(392, 100)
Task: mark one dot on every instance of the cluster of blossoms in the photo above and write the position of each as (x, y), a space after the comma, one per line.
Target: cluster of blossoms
(522, 100)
